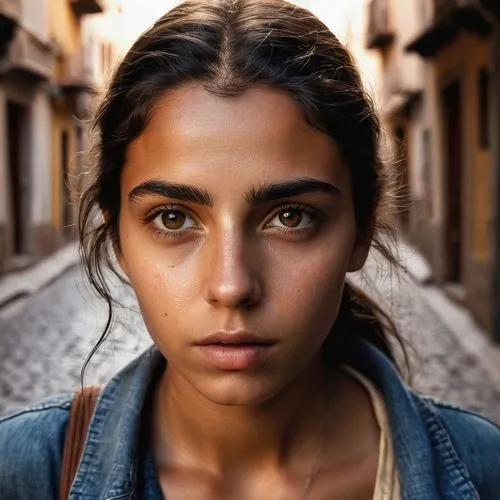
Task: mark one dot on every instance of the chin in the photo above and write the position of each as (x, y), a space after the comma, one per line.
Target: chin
(238, 391)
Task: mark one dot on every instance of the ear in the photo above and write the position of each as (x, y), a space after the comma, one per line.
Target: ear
(117, 249)
(116, 245)
(359, 254)
(121, 261)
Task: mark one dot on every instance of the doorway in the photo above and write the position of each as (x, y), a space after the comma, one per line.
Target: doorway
(18, 178)
(453, 180)
(66, 193)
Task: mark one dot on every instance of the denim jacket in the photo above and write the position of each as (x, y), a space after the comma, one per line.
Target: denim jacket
(442, 452)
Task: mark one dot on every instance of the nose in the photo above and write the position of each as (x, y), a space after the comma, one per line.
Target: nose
(232, 278)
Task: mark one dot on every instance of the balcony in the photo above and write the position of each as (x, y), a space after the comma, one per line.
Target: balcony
(380, 32)
(29, 56)
(75, 85)
(82, 7)
(400, 88)
(77, 75)
(10, 12)
(450, 18)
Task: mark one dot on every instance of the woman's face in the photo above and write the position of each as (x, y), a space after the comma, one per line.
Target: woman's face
(237, 228)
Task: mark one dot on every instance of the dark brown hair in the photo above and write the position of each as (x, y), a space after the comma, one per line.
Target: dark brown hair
(227, 46)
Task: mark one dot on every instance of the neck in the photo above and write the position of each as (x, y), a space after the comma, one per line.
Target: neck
(196, 432)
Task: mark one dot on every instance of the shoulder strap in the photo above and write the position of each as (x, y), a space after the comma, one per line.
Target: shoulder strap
(80, 415)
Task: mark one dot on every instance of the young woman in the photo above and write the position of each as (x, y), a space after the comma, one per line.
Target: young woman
(237, 181)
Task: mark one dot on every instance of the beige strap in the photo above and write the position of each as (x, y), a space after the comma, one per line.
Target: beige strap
(387, 486)
(80, 415)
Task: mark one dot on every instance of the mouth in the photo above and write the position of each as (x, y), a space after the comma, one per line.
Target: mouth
(234, 350)
(235, 339)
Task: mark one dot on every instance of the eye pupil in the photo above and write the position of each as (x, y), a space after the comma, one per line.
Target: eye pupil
(290, 218)
(173, 219)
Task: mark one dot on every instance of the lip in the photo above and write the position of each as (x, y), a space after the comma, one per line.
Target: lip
(234, 350)
(234, 338)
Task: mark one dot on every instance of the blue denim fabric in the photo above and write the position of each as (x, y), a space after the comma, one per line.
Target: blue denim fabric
(442, 452)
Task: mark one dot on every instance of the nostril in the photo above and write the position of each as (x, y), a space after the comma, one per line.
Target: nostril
(247, 303)
(231, 283)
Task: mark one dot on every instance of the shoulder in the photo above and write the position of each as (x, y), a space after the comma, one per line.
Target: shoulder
(477, 441)
(31, 444)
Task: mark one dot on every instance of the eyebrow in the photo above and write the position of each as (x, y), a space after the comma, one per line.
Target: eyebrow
(181, 192)
(289, 189)
(255, 196)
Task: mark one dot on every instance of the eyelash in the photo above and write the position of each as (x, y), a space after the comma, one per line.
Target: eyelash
(312, 212)
(150, 216)
(315, 214)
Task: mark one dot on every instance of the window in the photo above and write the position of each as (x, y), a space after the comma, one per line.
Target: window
(483, 89)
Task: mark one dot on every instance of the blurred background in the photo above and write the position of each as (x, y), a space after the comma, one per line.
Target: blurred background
(432, 68)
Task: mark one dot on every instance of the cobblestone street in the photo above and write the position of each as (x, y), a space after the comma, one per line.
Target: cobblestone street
(43, 345)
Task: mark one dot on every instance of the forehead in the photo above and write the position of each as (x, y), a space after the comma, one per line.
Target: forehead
(262, 132)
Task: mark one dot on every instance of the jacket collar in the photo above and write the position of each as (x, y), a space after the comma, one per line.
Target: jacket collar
(428, 464)
(108, 466)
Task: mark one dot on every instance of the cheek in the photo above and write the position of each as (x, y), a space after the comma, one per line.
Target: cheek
(309, 286)
(162, 287)
(165, 298)
(312, 293)
(162, 282)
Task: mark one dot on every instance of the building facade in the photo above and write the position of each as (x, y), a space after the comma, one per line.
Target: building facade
(26, 68)
(446, 127)
(401, 100)
(73, 90)
(53, 62)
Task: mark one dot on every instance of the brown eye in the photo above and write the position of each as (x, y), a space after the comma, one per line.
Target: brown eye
(173, 219)
(291, 217)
